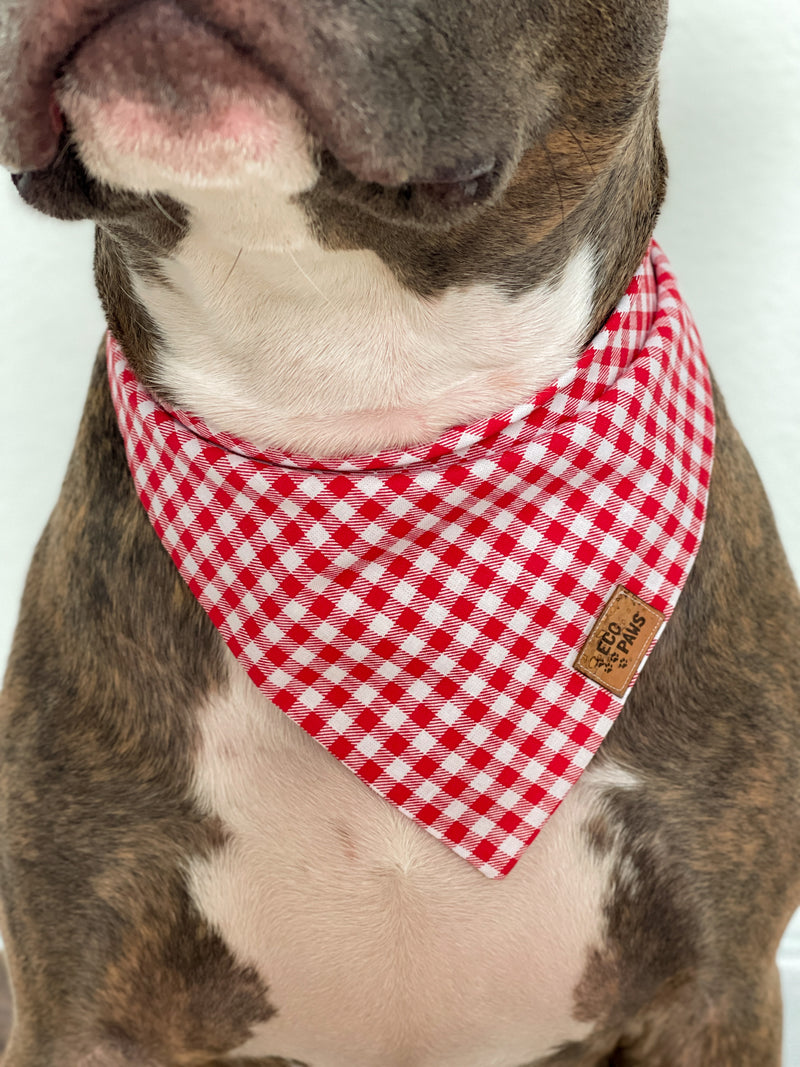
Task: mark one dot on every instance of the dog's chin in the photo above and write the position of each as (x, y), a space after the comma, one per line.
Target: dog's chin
(157, 103)
(237, 140)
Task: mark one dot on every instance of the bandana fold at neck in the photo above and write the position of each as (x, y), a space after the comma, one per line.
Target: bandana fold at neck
(426, 613)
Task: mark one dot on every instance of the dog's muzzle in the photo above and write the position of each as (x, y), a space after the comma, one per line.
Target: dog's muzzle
(387, 109)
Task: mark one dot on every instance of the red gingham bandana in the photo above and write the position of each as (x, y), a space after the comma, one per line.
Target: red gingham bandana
(419, 611)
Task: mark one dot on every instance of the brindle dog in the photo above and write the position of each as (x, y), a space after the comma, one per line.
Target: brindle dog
(324, 225)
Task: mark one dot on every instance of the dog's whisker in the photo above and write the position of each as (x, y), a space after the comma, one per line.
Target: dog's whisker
(163, 210)
(309, 279)
(560, 195)
(579, 143)
(62, 152)
(233, 268)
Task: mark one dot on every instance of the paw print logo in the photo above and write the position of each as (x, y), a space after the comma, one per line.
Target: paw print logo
(615, 662)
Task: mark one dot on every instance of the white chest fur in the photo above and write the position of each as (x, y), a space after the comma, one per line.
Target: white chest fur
(379, 946)
(279, 341)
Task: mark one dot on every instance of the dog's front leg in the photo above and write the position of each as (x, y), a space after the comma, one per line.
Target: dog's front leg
(689, 1027)
(723, 1032)
(110, 962)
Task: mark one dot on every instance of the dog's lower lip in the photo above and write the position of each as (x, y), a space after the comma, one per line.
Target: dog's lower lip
(23, 181)
(468, 171)
(456, 191)
(155, 89)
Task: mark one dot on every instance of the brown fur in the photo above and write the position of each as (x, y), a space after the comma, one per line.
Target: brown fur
(693, 935)
(599, 176)
(111, 652)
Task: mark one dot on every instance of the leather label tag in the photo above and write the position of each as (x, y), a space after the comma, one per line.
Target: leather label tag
(618, 642)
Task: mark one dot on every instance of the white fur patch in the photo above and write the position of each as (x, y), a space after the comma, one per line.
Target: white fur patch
(272, 338)
(378, 944)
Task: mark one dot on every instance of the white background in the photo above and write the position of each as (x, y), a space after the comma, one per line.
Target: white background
(731, 226)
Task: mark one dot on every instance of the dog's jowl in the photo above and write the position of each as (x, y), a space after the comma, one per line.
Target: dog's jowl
(409, 672)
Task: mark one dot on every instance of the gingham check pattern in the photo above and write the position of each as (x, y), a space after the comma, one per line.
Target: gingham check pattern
(418, 612)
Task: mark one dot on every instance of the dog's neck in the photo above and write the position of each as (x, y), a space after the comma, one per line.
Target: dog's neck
(268, 335)
(326, 352)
